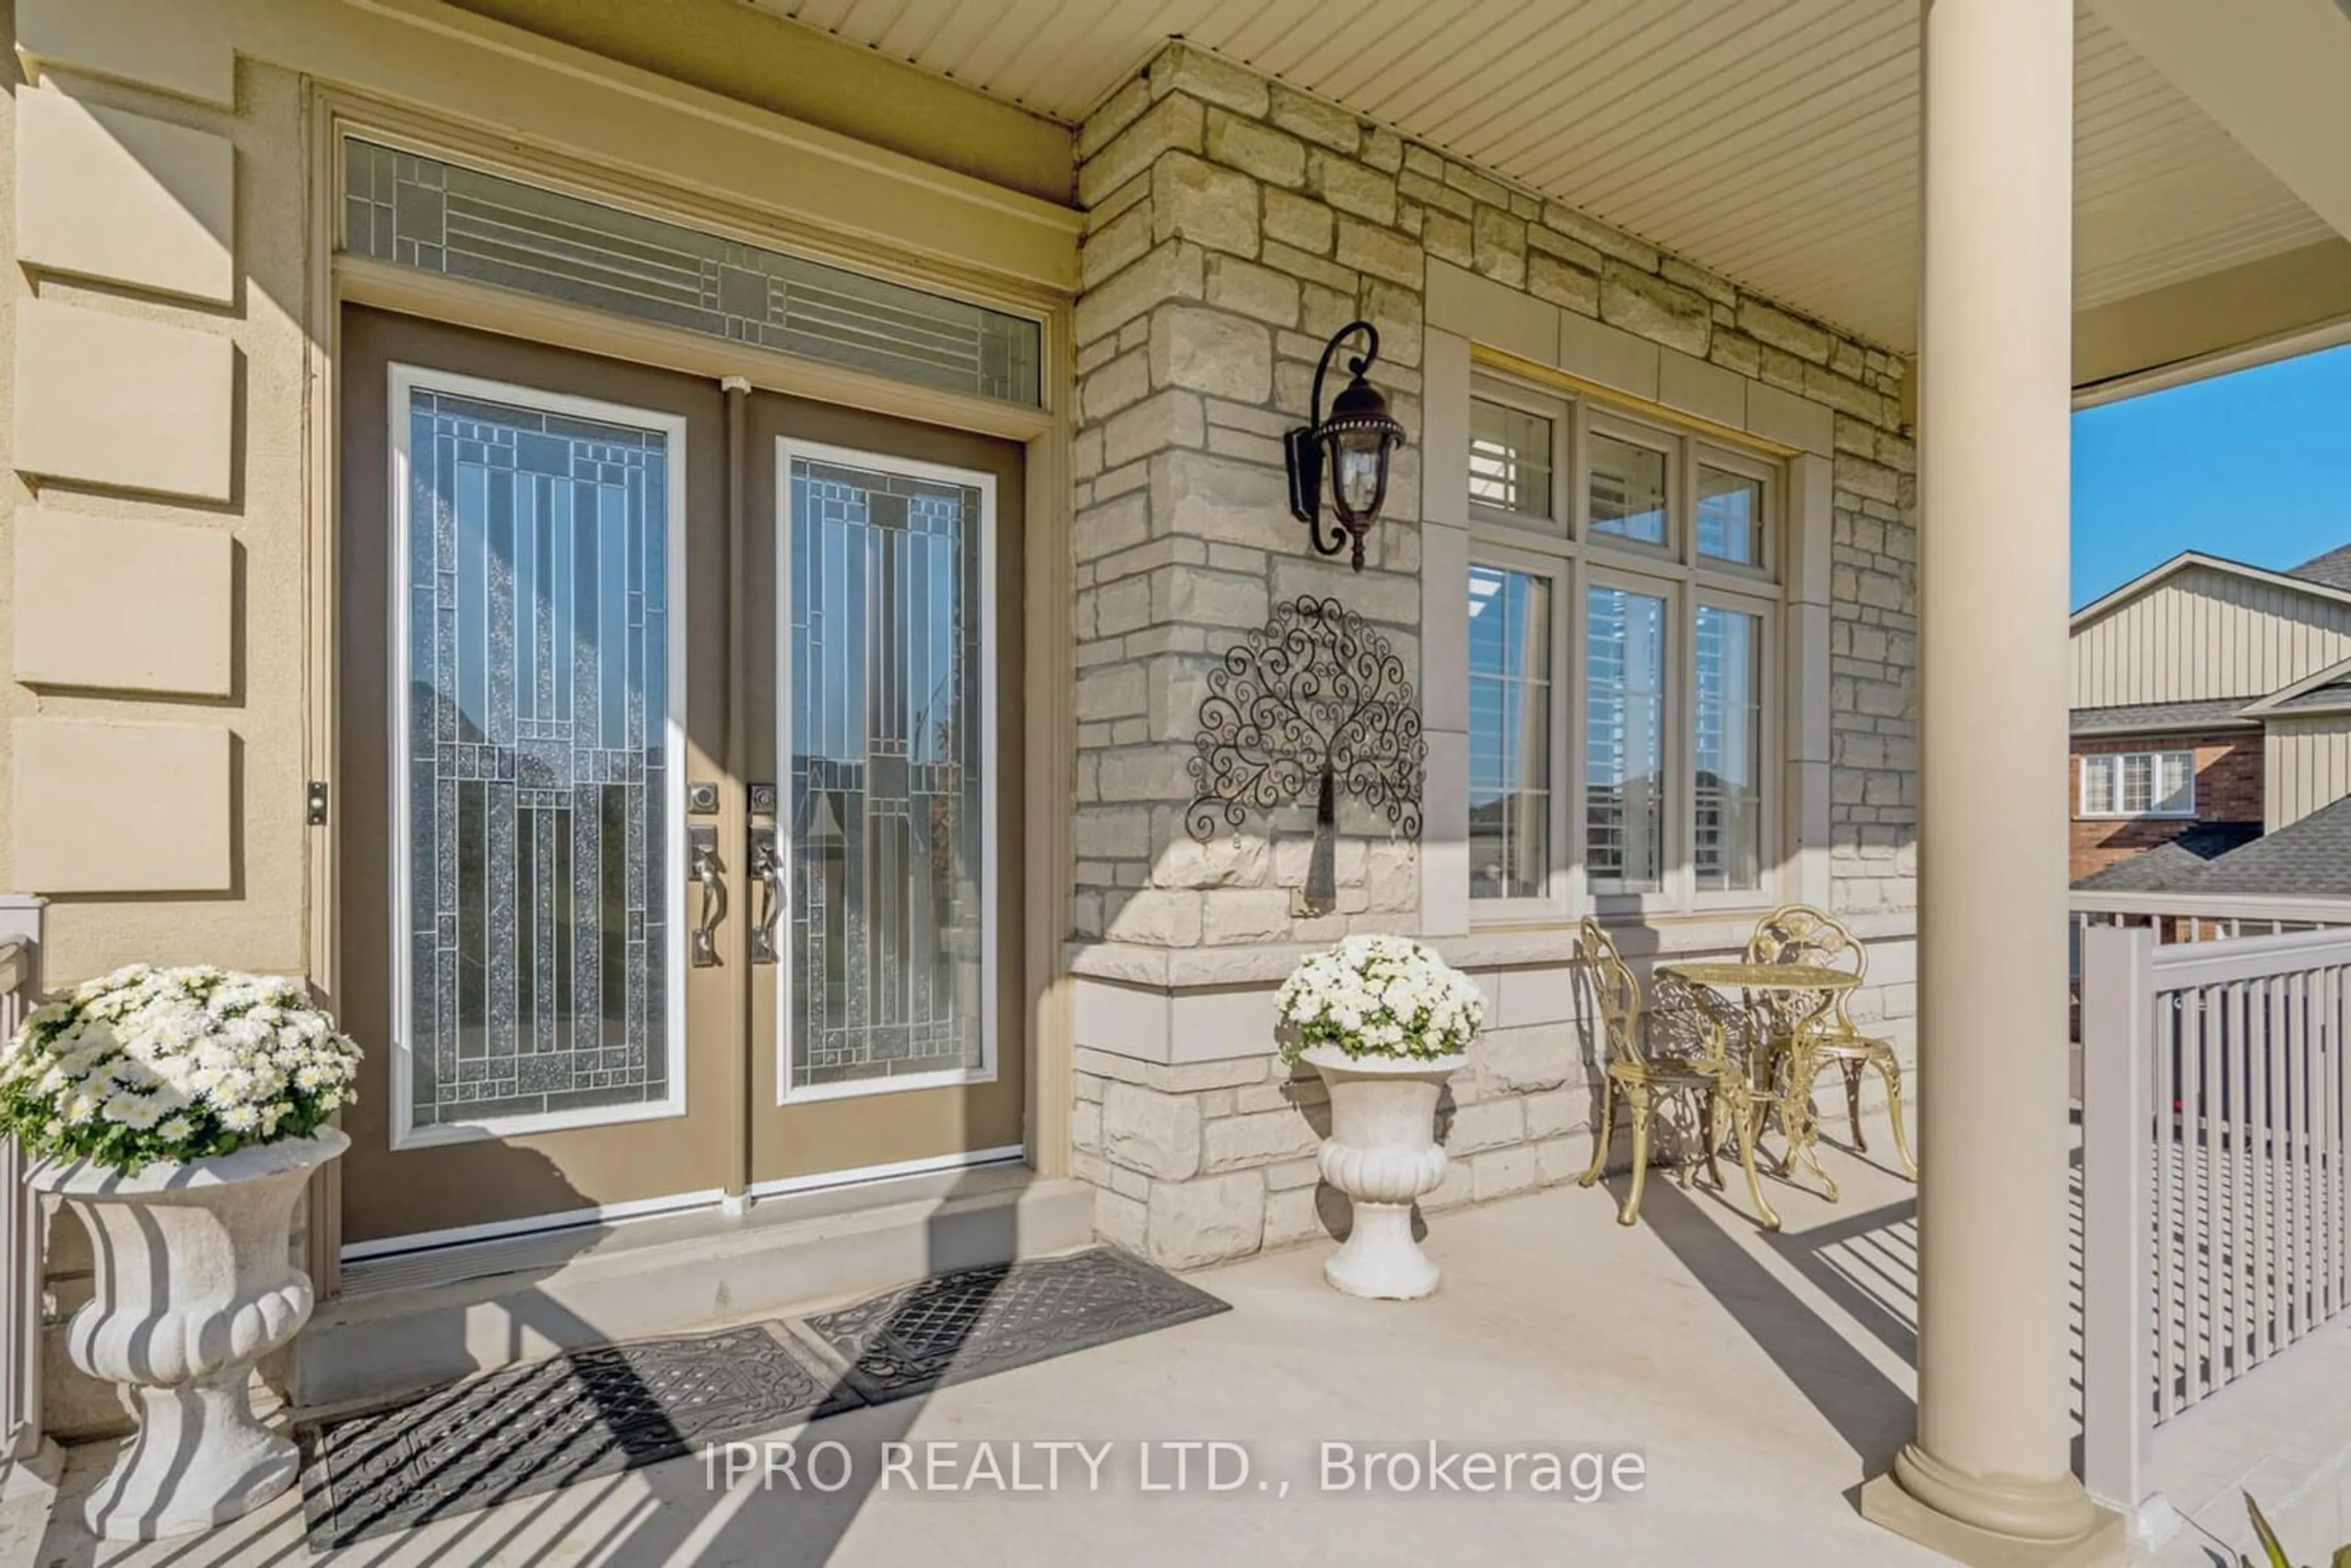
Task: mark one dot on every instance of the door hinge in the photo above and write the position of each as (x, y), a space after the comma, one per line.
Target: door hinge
(316, 815)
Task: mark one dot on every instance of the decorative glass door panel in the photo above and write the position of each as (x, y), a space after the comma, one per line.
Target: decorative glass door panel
(539, 812)
(888, 805)
(526, 542)
(611, 955)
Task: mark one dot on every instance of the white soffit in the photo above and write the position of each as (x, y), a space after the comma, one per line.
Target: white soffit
(1772, 140)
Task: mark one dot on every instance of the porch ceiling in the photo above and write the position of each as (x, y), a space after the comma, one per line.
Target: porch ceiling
(1774, 141)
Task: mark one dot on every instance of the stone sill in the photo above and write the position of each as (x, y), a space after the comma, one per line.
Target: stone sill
(1186, 969)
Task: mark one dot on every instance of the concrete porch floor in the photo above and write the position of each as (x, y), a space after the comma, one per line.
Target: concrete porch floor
(1762, 1377)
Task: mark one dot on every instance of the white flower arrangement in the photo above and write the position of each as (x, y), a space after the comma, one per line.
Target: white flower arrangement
(1380, 996)
(148, 1064)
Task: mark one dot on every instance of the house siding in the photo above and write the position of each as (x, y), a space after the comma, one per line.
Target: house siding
(2206, 633)
(2309, 766)
(2229, 788)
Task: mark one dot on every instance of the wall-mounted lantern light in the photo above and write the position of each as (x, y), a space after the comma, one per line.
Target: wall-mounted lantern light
(1354, 444)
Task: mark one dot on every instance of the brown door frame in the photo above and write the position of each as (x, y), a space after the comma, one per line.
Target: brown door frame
(1045, 805)
(429, 1183)
(808, 1138)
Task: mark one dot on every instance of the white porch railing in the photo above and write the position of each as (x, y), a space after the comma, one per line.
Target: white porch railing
(2216, 1107)
(20, 1228)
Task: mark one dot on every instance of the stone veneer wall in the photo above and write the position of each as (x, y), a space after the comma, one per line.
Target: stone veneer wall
(1233, 224)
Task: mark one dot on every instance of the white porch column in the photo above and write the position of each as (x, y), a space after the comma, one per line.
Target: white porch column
(1989, 1479)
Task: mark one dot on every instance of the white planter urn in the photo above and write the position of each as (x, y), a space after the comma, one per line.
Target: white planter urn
(193, 1284)
(1383, 1153)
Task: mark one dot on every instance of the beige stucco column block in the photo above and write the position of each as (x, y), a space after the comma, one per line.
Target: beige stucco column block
(182, 49)
(120, 807)
(133, 606)
(116, 195)
(114, 399)
(1988, 1479)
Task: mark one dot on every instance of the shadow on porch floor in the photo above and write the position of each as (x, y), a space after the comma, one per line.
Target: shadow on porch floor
(1762, 1377)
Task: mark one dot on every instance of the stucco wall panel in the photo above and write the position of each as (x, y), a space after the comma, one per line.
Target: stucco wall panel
(119, 197)
(136, 606)
(121, 807)
(182, 49)
(259, 921)
(111, 400)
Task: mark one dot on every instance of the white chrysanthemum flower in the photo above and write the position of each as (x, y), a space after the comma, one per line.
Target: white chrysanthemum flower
(112, 1069)
(1374, 994)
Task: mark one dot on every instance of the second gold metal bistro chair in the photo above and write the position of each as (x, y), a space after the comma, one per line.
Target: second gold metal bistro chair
(1800, 933)
(1708, 1074)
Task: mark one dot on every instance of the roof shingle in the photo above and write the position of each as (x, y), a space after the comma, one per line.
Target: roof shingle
(2331, 570)
(2215, 713)
(2308, 859)
(2168, 865)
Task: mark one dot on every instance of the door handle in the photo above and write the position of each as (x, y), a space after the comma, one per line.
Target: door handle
(766, 870)
(702, 842)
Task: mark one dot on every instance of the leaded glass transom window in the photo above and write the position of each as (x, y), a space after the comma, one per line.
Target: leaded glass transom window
(536, 583)
(443, 217)
(887, 956)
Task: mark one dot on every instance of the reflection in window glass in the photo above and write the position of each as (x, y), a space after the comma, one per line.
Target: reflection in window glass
(887, 799)
(1509, 459)
(1509, 733)
(1728, 754)
(1624, 686)
(1629, 490)
(1729, 517)
(2139, 783)
(2177, 794)
(538, 752)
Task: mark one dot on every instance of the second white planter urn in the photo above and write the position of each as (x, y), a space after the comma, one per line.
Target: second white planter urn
(1383, 1153)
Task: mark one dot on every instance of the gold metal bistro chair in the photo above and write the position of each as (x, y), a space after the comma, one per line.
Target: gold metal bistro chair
(1706, 1073)
(1800, 933)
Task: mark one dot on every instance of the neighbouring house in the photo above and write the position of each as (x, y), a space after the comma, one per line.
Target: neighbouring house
(2211, 703)
(669, 563)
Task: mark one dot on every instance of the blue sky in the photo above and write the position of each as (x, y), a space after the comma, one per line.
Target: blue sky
(2255, 467)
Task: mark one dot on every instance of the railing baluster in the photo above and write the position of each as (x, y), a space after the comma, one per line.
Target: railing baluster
(2337, 1190)
(2306, 1144)
(2204, 1345)
(20, 1228)
(2125, 1034)
(2166, 1036)
(2244, 1172)
(2271, 1237)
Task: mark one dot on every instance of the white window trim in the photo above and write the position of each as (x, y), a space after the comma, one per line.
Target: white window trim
(2113, 761)
(1671, 444)
(1484, 514)
(1564, 873)
(405, 1134)
(787, 450)
(1576, 557)
(1764, 574)
(1767, 720)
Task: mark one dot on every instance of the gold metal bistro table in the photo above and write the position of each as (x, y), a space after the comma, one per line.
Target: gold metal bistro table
(1808, 990)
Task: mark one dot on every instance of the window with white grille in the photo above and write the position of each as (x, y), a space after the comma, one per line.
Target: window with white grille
(2139, 784)
(1624, 615)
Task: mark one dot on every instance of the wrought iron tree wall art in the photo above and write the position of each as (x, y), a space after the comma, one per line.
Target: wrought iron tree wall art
(1313, 700)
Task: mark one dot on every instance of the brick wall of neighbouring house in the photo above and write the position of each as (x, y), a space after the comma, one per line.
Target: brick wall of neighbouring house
(2228, 789)
(1232, 225)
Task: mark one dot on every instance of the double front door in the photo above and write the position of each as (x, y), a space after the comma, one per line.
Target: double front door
(677, 805)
